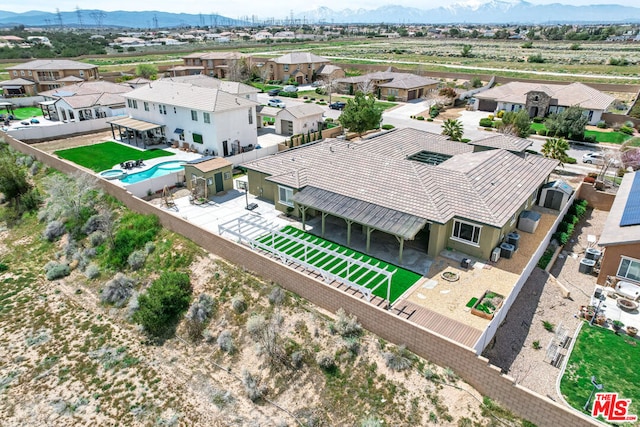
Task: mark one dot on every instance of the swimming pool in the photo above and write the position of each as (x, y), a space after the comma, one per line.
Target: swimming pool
(160, 169)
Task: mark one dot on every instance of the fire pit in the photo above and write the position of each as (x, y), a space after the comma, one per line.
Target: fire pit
(450, 276)
(626, 304)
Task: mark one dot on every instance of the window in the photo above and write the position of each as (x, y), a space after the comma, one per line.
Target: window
(250, 117)
(146, 106)
(206, 117)
(30, 73)
(162, 108)
(227, 175)
(15, 73)
(81, 73)
(175, 111)
(194, 115)
(286, 67)
(285, 195)
(466, 232)
(22, 72)
(209, 181)
(132, 103)
(197, 138)
(629, 269)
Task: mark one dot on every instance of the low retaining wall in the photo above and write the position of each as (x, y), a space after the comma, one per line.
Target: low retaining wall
(597, 199)
(475, 370)
(38, 133)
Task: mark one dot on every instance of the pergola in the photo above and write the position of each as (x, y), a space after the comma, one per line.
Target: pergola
(138, 131)
(401, 225)
(5, 105)
(46, 107)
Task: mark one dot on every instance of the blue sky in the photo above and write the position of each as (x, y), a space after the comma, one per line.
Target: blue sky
(261, 8)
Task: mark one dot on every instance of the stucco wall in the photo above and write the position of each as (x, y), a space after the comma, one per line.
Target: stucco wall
(611, 259)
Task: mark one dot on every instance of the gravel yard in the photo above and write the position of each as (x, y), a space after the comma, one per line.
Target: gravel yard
(540, 301)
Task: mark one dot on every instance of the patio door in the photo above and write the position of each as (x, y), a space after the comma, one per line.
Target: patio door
(225, 148)
(218, 181)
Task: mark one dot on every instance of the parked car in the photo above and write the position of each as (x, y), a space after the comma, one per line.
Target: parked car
(596, 158)
(290, 88)
(275, 102)
(317, 83)
(338, 105)
(273, 92)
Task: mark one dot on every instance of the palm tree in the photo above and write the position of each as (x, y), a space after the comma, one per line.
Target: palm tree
(453, 129)
(556, 148)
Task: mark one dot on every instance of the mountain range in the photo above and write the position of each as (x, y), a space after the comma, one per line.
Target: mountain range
(470, 12)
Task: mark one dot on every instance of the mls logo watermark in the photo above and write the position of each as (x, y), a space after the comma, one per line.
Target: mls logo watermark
(612, 408)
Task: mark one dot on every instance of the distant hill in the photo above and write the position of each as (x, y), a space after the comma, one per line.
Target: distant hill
(469, 12)
(120, 18)
(479, 12)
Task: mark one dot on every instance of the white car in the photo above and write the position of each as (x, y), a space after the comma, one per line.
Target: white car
(596, 158)
(275, 102)
(290, 88)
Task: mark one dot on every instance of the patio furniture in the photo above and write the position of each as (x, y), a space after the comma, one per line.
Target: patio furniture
(628, 290)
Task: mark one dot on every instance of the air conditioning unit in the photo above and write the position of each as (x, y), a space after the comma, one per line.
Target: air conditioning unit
(495, 254)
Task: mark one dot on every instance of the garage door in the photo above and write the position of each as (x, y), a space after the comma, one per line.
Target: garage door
(287, 127)
(411, 95)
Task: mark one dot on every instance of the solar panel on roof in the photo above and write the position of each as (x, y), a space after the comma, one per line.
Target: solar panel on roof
(631, 213)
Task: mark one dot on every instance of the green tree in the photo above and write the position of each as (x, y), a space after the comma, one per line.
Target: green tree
(361, 114)
(556, 148)
(146, 70)
(569, 123)
(466, 50)
(161, 306)
(453, 129)
(517, 124)
(13, 177)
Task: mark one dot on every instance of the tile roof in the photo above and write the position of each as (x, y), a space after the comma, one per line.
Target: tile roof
(18, 81)
(327, 69)
(202, 80)
(299, 58)
(91, 93)
(215, 55)
(53, 65)
(210, 164)
(507, 142)
(487, 187)
(189, 96)
(563, 95)
(303, 110)
(396, 80)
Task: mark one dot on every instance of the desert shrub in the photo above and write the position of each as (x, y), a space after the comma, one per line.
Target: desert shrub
(35, 168)
(620, 172)
(627, 130)
(536, 58)
(160, 307)
(565, 227)
(371, 421)
(199, 314)
(136, 259)
(387, 126)
(92, 271)
(325, 360)
(133, 233)
(238, 303)
(391, 98)
(500, 114)
(225, 342)
(297, 358)
(476, 82)
(397, 359)
(538, 119)
(486, 122)
(256, 324)
(117, 290)
(149, 247)
(345, 325)
(618, 62)
(590, 138)
(570, 160)
(3, 267)
(97, 238)
(252, 386)
(589, 179)
(352, 345)
(55, 270)
(601, 124)
(420, 118)
(451, 376)
(93, 224)
(53, 230)
(277, 296)
(221, 398)
(629, 124)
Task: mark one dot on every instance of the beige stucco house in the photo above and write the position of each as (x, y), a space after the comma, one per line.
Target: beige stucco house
(212, 64)
(389, 85)
(408, 183)
(50, 74)
(299, 66)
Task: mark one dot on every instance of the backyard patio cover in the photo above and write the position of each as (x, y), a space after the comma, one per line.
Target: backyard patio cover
(135, 124)
(400, 224)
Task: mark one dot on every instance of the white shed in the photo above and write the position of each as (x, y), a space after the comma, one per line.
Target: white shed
(555, 194)
(300, 119)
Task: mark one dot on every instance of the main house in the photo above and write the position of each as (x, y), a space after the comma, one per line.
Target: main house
(234, 88)
(212, 64)
(85, 101)
(389, 85)
(301, 67)
(405, 183)
(205, 120)
(541, 100)
(620, 237)
(50, 74)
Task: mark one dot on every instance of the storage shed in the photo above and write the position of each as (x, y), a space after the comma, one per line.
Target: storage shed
(555, 194)
(208, 176)
(528, 221)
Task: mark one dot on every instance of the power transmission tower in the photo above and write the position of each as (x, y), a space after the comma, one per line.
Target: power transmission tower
(59, 19)
(155, 22)
(79, 14)
(98, 16)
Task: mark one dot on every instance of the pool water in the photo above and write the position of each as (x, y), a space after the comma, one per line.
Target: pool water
(112, 173)
(160, 169)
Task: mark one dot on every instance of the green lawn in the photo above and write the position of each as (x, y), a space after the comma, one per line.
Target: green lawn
(611, 137)
(401, 280)
(26, 112)
(265, 87)
(612, 359)
(105, 155)
(336, 97)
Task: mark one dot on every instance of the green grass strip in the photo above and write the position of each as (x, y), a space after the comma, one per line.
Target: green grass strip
(103, 156)
(402, 279)
(26, 113)
(612, 359)
(471, 302)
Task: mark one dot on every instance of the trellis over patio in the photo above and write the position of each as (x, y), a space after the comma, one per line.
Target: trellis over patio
(401, 225)
(138, 131)
(260, 234)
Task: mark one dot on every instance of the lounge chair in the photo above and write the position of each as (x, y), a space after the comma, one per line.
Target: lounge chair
(123, 165)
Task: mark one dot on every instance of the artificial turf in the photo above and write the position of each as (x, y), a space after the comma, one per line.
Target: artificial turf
(23, 113)
(103, 156)
(401, 280)
(612, 359)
